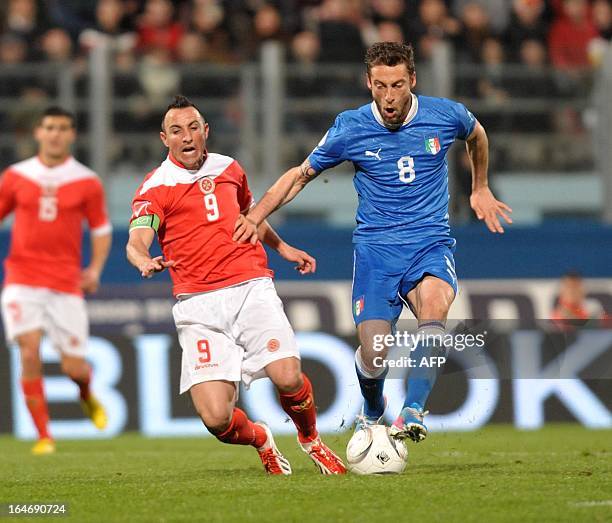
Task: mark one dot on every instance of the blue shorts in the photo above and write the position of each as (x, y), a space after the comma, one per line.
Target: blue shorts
(384, 274)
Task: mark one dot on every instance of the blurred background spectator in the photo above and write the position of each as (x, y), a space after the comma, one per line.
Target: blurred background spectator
(232, 31)
(570, 34)
(158, 29)
(524, 66)
(571, 309)
(24, 18)
(527, 22)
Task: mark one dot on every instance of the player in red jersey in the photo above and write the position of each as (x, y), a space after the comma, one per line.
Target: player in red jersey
(230, 321)
(51, 194)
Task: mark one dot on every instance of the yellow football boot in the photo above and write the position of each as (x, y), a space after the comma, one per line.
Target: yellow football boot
(43, 446)
(94, 410)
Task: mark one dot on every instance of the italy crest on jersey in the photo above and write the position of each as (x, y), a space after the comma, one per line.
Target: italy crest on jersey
(358, 305)
(432, 145)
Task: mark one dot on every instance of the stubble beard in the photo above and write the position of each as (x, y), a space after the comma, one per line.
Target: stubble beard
(396, 123)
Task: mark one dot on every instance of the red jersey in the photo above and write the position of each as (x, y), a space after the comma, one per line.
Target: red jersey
(567, 316)
(50, 204)
(194, 214)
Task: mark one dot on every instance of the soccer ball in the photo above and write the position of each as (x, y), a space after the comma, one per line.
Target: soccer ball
(372, 450)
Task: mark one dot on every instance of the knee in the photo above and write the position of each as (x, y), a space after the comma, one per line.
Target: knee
(375, 347)
(68, 368)
(76, 369)
(217, 419)
(435, 301)
(30, 357)
(289, 381)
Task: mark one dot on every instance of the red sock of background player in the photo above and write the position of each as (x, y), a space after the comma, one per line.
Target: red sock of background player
(242, 431)
(300, 407)
(83, 384)
(37, 405)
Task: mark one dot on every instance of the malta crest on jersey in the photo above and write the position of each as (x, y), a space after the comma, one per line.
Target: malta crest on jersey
(207, 185)
(432, 145)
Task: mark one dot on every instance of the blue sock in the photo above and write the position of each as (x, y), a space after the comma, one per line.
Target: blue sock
(422, 378)
(372, 392)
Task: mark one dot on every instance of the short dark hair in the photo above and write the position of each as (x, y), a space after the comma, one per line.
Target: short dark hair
(179, 102)
(56, 110)
(390, 53)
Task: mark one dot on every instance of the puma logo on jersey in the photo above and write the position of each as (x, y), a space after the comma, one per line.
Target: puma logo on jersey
(374, 154)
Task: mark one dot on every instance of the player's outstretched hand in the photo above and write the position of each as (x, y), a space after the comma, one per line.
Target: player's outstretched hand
(245, 230)
(90, 280)
(306, 264)
(157, 264)
(488, 209)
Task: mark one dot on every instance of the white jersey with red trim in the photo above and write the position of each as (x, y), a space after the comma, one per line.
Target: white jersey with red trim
(50, 204)
(194, 214)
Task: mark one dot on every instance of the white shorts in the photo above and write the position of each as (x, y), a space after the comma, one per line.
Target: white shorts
(62, 316)
(232, 333)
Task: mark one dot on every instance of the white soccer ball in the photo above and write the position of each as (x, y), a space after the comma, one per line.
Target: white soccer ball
(372, 450)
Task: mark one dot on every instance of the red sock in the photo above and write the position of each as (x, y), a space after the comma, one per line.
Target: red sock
(300, 406)
(37, 405)
(242, 431)
(84, 386)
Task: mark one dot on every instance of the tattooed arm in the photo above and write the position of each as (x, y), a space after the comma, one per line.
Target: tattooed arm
(283, 191)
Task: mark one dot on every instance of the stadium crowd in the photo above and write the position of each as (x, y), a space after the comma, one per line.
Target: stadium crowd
(564, 33)
(509, 50)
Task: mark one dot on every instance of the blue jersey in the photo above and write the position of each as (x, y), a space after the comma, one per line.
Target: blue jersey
(401, 176)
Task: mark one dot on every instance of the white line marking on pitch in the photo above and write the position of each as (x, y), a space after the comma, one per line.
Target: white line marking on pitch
(604, 503)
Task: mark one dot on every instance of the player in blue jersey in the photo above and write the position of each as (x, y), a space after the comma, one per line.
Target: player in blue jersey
(403, 248)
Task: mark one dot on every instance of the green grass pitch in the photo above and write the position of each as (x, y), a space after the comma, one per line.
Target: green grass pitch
(560, 473)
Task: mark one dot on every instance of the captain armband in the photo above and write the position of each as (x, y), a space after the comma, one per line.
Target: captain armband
(150, 220)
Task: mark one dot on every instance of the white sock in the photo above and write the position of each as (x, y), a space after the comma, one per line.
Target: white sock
(367, 374)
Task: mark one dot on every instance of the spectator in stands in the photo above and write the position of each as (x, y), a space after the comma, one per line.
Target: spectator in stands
(570, 35)
(158, 78)
(526, 23)
(157, 28)
(305, 48)
(390, 32)
(476, 29)
(267, 26)
(389, 11)
(341, 40)
(433, 25)
(538, 83)
(191, 48)
(570, 310)
(74, 16)
(56, 45)
(24, 114)
(535, 82)
(207, 18)
(602, 18)
(23, 18)
(13, 50)
(497, 12)
(491, 85)
(111, 24)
